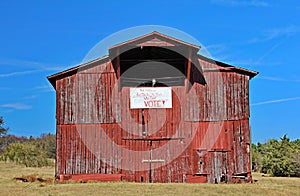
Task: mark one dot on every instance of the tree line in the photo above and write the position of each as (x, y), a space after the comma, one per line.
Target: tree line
(277, 157)
(31, 152)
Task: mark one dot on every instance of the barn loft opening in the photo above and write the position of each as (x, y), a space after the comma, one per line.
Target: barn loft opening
(170, 61)
(140, 65)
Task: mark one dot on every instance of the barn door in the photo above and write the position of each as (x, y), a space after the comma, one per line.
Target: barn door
(154, 162)
(219, 167)
(149, 128)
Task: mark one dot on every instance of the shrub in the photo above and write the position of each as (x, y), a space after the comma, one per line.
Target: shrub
(28, 154)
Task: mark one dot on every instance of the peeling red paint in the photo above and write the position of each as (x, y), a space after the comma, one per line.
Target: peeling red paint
(96, 129)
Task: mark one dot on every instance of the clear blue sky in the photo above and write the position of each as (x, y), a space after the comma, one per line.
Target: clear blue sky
(41, 38)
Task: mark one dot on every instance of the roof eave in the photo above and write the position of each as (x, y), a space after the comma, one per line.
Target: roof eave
(52, 78)
(227, 66)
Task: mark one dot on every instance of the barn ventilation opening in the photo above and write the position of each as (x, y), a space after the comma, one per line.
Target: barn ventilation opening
(140, 65)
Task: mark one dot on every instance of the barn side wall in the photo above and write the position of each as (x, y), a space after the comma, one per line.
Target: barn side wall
(212, 118)
(85, 149)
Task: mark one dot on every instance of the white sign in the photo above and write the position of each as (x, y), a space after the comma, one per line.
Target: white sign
(150, 97)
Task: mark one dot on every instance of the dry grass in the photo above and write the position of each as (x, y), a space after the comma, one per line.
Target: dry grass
(8, 186)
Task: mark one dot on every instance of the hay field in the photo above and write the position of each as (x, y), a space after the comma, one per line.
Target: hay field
(9, 186)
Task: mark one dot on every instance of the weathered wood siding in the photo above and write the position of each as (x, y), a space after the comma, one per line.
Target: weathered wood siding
(224, 97)
(88, 97)
(96, 129)
(85, 149)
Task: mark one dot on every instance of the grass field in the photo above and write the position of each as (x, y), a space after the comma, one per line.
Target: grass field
(9, 186)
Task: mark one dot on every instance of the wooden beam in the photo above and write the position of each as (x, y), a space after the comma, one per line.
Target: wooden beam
(188, 74)
(153, 161)
(154, 138)
(118, 64)
(153, 59)
(118, 69)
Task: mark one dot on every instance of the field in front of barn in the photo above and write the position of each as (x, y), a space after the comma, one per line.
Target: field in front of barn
(9, 186)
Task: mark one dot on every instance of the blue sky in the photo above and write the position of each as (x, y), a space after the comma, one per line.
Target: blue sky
(41, 38)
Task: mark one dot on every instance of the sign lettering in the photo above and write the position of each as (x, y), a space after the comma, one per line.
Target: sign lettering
(150, 97)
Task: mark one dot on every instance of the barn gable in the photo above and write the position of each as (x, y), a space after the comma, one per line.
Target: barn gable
(154, 39)
(203, 137)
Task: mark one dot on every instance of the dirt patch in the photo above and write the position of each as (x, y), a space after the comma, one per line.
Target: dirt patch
(33, 178)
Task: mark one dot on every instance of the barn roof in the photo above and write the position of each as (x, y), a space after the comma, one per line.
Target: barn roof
(74, 70)
(152, 39)
(227, 67)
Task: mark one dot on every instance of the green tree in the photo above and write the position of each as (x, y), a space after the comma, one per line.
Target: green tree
(256, 157)
(47, 142)
(10, 139)
(3, 130)
(296, 157)
(28, 154)
(278, 158)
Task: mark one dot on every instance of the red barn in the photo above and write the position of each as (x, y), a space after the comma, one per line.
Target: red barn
(153, 110)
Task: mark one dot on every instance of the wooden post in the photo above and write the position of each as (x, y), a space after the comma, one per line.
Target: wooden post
(150, 169)
(118, 69)
(143, 124)
(188, 74)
